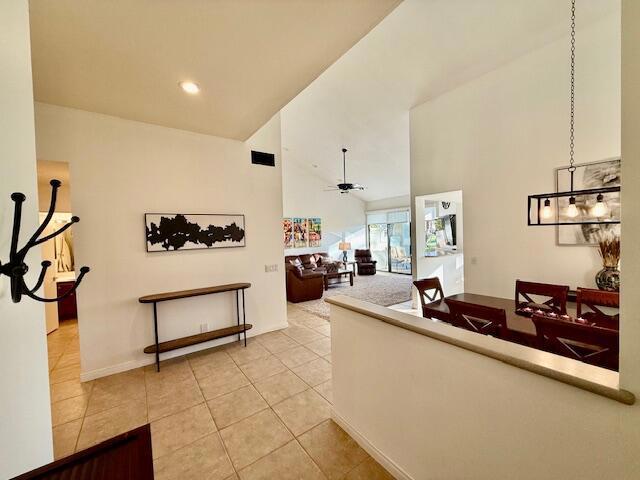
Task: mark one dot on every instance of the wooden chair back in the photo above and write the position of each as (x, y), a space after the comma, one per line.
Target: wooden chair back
(556, 296)
(588, 301)
(478, 318)
(430, 290)
(588, 343)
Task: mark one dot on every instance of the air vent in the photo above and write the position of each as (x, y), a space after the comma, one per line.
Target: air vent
(262, 158)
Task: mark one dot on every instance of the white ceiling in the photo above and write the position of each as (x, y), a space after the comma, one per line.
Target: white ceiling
(421, 50)
(250, 57)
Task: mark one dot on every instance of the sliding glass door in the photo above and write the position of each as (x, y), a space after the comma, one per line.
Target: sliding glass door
(390, 245)
(400, 247)
(379, 245)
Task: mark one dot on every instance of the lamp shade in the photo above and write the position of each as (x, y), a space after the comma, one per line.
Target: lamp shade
(344, 246)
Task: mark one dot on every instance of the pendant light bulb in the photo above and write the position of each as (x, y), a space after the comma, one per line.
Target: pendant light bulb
(547, 211)
(572, 210)
(600, 208)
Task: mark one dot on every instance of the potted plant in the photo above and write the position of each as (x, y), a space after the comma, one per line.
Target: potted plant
(609, 249)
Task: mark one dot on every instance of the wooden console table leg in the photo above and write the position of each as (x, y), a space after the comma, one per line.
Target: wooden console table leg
(244, 320)
(238, 311)
(155, 328)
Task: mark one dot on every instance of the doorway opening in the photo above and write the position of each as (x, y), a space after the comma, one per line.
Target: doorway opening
(61, 317)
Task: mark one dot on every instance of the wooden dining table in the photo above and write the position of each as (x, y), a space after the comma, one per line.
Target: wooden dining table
(521, 328)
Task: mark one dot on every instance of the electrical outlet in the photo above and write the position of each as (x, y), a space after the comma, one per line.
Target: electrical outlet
(271, 268)
(204, 328)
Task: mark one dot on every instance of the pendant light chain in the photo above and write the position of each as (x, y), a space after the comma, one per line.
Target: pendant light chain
(572, 168)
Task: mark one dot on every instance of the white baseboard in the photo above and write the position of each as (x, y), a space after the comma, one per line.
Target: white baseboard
(371, 449)
(143, 362)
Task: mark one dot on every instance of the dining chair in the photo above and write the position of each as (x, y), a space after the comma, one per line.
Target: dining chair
(588, 343)
(430, 290)
(590, 299)
(478, 318)
(556, 296)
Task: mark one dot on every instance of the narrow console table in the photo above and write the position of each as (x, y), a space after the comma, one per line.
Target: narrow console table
(160, 347)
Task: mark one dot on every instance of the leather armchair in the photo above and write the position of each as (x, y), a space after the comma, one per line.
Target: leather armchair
(366, 263)
(303, 286)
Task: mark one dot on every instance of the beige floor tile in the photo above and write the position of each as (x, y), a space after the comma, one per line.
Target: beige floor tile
(62, 374)
(302, 334)
(326, 390)
(254, 437)
(67, 410)
(108, 395)
(324, 329)
(315, 372)
(303, 411)
(118, 378)
(242, 355)
(278, 387)
(68, 359)
(68, 389)
(335, 452)
(53, 360)
(369, 470)
(235, 406)
(320, 347)
(182, 396)
(203, 459)
(262, 368)
(289, 462)
(203, 363)
(327, 358)
(233, 477)
(312, 321)
(175, 431)
(223, 380)
(277, 342)
(112, 422)
(176, 369)
(65, 437)
(296, 356)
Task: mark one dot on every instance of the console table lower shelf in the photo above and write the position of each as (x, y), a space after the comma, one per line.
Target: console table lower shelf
(240, 329)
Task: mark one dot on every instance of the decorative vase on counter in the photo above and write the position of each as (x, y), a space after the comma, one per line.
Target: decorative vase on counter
(608, 279)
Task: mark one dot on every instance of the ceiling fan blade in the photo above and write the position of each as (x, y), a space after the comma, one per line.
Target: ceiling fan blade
(331, 189)
(358, 187)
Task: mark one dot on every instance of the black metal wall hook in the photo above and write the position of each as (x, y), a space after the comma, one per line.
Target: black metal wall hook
(16, 269)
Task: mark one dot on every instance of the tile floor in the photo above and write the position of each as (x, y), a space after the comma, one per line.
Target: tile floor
(260, 412)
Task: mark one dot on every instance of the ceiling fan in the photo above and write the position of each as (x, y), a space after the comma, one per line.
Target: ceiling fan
(344, 187)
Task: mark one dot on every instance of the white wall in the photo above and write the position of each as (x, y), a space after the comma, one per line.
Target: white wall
(121, 169)
(25, 414)
(436, 411)
(500, 137)
(391, 203)
(343, 215)
(629, 324)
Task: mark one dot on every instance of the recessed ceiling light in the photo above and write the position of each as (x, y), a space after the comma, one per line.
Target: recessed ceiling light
(190, 87)
(314, 165)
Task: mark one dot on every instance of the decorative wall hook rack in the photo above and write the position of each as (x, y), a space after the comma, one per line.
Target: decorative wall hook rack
(16, 269)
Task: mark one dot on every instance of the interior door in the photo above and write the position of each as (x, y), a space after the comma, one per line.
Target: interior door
(379, 245)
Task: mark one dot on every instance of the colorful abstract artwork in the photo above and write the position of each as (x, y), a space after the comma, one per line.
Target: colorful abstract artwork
(287, 230)
(300, 233)
(315, 232)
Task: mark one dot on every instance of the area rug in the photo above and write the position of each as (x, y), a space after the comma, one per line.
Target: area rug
(382, 290)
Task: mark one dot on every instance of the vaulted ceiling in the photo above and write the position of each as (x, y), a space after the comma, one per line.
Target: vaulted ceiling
(250, 57)
(421, 50)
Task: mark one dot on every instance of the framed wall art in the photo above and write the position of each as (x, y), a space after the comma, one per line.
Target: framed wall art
(179, 231)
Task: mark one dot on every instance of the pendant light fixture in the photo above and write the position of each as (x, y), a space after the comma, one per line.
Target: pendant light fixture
(540, 210)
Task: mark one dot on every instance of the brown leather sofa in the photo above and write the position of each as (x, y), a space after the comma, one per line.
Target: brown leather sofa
(366, 263)
(305, 275)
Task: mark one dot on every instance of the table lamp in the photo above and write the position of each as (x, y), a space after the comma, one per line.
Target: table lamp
(344, 246)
